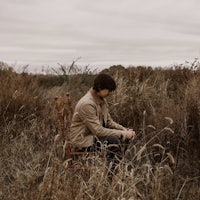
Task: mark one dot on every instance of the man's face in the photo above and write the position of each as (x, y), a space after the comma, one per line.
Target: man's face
(104, 93)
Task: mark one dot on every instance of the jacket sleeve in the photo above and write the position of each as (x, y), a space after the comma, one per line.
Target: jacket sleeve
(88, 115)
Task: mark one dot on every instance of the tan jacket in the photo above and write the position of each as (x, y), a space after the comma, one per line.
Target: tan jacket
(87, 121)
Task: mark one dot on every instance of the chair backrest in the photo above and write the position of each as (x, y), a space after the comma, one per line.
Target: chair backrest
(63, 106)
(64, 110)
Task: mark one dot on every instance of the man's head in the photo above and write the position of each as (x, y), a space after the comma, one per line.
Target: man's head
(104, 81)
(104, 84)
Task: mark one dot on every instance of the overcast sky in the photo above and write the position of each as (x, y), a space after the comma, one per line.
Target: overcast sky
(101, 32)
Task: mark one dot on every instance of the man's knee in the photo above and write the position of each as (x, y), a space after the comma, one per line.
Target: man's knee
(113, 140)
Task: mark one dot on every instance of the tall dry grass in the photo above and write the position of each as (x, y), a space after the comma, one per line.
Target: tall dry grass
(162, 105)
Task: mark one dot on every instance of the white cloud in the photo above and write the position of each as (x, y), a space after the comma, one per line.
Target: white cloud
(102, 32)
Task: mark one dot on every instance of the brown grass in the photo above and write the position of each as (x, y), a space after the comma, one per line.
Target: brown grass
(162, 105)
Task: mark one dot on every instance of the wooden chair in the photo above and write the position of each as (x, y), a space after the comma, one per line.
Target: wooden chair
(64, 109)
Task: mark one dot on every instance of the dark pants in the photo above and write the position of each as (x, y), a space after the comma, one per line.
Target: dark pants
(113, 151)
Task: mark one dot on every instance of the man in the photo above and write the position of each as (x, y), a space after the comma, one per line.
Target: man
(91, 122)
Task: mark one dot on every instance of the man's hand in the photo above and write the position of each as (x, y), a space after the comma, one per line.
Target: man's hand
(129, 134)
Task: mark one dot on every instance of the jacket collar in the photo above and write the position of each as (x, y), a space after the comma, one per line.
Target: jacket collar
(98, 100)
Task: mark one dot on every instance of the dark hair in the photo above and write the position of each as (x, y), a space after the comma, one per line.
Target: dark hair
(104, 81)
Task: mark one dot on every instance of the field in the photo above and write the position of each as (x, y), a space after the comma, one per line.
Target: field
(161, 105)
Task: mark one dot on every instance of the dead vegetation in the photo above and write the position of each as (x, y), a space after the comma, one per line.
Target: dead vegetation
(162, 105)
